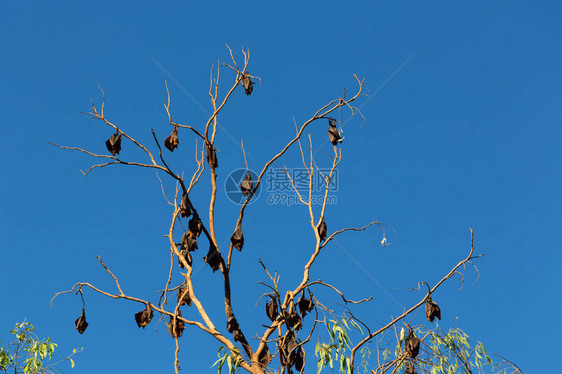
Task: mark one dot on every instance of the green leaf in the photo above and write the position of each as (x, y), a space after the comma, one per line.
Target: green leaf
(356, 325)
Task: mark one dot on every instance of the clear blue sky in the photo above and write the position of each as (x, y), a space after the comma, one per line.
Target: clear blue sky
(466, 134)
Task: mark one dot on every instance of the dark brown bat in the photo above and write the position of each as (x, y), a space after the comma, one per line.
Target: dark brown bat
(293, 320)
(213, 258)
(287, 349)
(322, 230)
(432, 310)
(271, 309)
(195, 225)
(299, 359)
(189, 242)
(291, 350)
(113, 144)
(212, 156)
(247, 83)
(237, 239)
(184, 253)
(144, 317)
(177, 329)
(81, 323)
(185, 299)
(172, 140)
(232, 324)
(305, 305)
(185, 211)
(247, 184)
(334, 134)
(412, 344)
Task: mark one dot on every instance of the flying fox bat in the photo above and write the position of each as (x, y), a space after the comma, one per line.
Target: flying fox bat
(81, 323)
(213, 258)
(247, 184)
(322, 230)
(172, 140)
(334, 134)
(237, 239)
(113, 144)
(144, 317)
(247, 83)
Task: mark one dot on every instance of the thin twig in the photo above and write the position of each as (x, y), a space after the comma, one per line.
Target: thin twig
(109, 271)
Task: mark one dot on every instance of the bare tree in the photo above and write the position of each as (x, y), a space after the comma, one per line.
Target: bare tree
(280, 346)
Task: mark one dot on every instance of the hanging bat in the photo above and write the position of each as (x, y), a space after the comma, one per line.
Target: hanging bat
(412, 344)
(189, 242)
(175, 330)
(299, 359)
(81, 323)
(212, 156)
(144, 317)
(237, 239)
(195, 225)
(184, 253)
(113, 144)
(184, 206)
(432, 310)
(334, 134)
(213, 258)
(232, 324)
(322, 230)
(247, 184)
(293, 320)
(305, 305)
(271, 309)
(185, 299)
(287, 349)
(172, 140)
(247, 83)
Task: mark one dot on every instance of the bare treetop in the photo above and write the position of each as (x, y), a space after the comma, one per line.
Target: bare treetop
(281, 345)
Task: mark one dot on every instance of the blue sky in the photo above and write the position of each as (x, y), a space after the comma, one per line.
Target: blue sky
(462, 130)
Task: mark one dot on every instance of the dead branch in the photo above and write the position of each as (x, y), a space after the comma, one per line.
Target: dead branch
(110, 273)
(345, 300)
(211, 331)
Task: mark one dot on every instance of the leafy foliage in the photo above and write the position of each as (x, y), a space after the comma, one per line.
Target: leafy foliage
(440, 353)
(28, 354)
(232, 359)
(335, 350)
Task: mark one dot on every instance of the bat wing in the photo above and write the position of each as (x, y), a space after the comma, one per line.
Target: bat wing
(237, 239)
(247, 185)
(113, 144)
(334, 134)
(322, 230)
(172, 140)
(185, 211)
(213, 258)
(81, 324)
